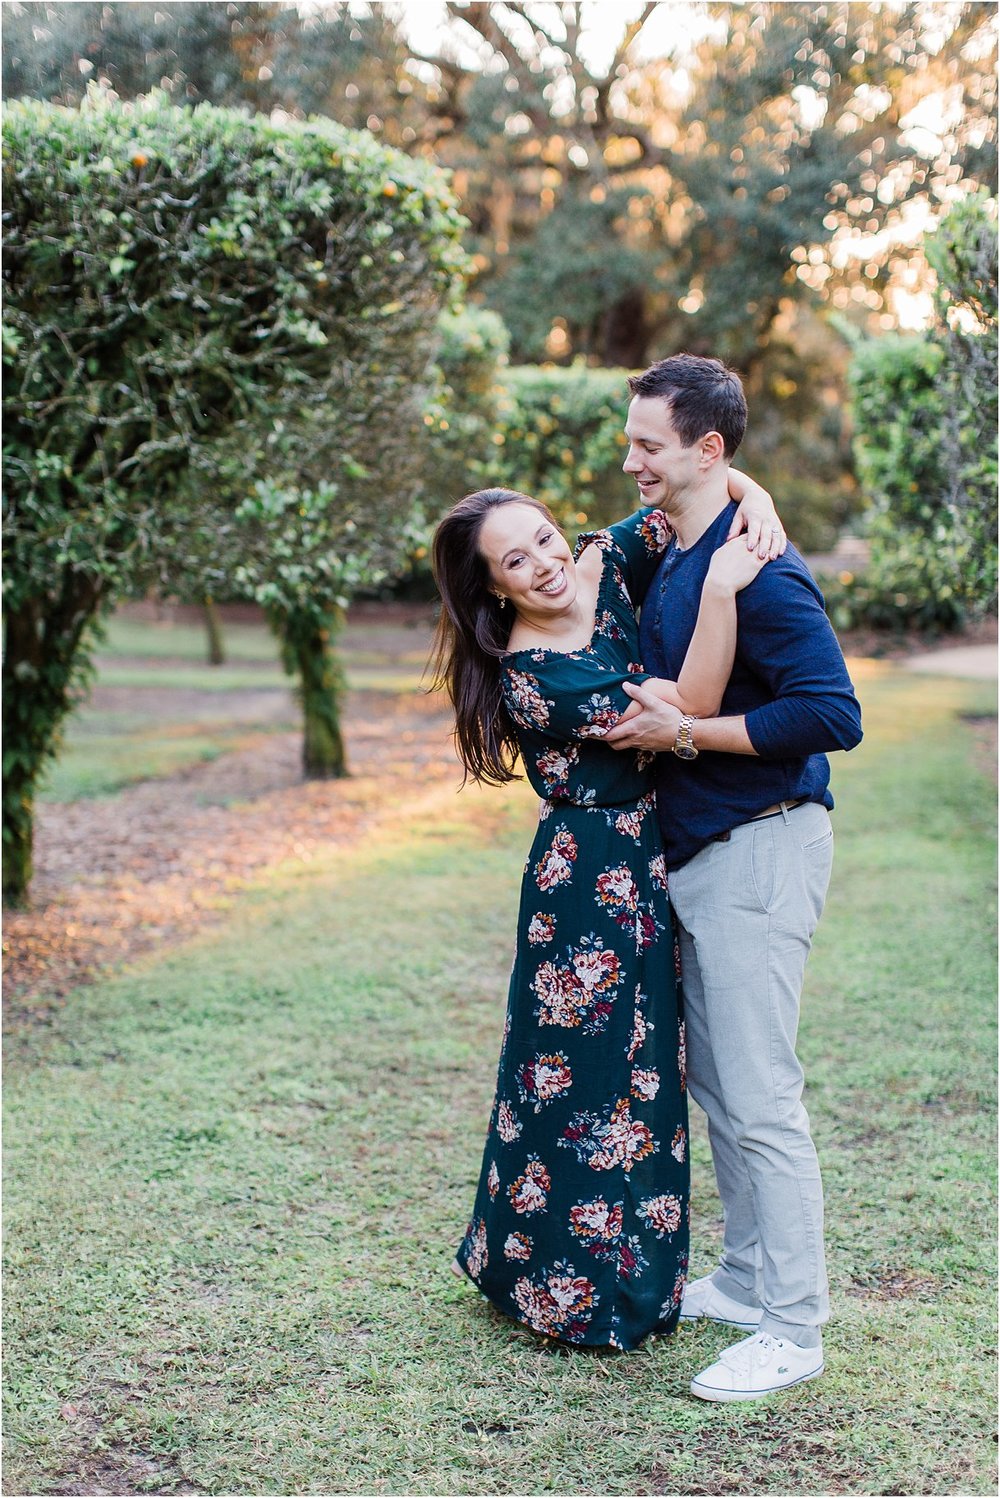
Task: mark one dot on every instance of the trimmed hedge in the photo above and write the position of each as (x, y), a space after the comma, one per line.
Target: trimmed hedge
(561, 439)
(925, 412)
(216, 335)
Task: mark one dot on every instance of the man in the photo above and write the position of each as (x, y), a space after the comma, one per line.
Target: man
(744, 806)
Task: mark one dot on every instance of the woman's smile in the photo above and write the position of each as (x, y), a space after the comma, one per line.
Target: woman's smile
(555, 585)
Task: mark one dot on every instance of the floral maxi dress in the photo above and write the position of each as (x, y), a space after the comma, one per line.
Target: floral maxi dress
(580, 1224)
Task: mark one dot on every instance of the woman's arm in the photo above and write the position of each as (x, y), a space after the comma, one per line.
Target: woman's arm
(757, 516)
(709, 659)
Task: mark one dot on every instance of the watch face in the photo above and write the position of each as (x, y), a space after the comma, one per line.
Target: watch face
(685, 751)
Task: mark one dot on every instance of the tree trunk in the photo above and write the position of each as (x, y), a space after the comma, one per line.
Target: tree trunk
(213, 628)
(43, 664)
(626, 332)
(18, 839)
(307, 650)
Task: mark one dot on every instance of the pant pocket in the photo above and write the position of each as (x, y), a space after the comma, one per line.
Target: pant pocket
(762, 866)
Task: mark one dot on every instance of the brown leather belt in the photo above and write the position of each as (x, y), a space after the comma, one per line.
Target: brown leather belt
(772, 811)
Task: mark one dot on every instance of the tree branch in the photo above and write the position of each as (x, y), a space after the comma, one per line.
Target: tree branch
(479, 18)
(628, 37)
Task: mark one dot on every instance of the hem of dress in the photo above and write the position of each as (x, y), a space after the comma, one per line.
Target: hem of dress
(664, 1330)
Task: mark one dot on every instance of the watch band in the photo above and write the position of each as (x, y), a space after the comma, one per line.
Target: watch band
(684, 745)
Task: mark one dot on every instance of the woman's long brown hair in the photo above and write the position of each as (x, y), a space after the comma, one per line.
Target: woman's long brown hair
(471, 637)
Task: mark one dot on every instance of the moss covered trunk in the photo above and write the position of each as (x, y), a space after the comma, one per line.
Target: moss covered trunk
(43, 664)
(307, 647)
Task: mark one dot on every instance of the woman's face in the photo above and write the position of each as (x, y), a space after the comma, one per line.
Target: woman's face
(529, 560)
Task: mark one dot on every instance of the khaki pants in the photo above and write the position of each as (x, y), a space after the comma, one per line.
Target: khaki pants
(747, 910)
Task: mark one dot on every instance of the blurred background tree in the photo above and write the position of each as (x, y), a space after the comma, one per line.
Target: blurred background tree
(715, 177)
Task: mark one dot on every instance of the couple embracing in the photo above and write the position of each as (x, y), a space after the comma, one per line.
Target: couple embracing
(684, 843)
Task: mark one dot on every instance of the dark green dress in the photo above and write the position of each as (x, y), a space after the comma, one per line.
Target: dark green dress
(580, 1226)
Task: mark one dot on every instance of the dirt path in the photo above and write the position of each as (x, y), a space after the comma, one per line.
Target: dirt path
(119, 875)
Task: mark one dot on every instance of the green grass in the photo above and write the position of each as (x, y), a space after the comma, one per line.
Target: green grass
(96, 762)
(237, 1174)
(169, 640)
(181, 711)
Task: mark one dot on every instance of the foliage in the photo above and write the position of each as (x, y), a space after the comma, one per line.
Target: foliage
(561, 439)
(711, 169)
(464, 405)
(706, 188)
(243, 53)
(926, 445)
(192, 297)
(579, 284)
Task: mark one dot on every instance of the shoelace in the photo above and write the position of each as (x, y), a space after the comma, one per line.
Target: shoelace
(742, 1357)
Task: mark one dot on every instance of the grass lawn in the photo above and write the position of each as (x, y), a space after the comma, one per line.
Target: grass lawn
(237, 1173)
(172, 710)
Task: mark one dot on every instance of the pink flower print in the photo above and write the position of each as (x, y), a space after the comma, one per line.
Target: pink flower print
(507, 1125)
(678, 1146)
(682, 1054)
(629, 824)
(571, 995)
(493, 1179)
(536, 1305)
(612, 1137)
(529, 1193)
(645, 1084)
(527, 705)
(541, 929)
(563, 1000)
(558, 1303)
(596, 969)
(544, 812)
(669, 1306)
(518, 1247)
(556, 865)
(658, 871)
(477, 1256)
(655, 531)
(640, 1028)
(607, 626)
(624, 1141)
(600, 714)
(596, 1220)
(617, 888)
(543, 1079)
(662, 1214)
(555, 767)
(618, 892)
(601, 1228)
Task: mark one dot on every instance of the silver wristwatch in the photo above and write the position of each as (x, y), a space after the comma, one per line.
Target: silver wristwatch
(684, 746)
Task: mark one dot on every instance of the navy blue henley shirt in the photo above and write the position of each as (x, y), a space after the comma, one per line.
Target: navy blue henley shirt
(789, 680)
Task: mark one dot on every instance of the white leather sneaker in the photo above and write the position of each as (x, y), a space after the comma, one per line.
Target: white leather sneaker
(703, 1298)
(758, 1365)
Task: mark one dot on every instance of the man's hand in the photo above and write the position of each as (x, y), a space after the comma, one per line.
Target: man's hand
(654, 728)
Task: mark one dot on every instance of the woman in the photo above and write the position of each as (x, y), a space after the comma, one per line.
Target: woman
(580, 1223)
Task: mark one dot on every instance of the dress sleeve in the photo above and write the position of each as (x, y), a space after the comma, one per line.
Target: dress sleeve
(636, 544)
(567, 697)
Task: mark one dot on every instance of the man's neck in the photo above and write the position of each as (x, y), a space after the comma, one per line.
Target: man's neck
(691, 515)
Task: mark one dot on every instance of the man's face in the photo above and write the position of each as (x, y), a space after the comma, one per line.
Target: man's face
(661, 465)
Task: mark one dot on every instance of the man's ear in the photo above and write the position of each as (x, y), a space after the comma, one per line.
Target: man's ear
(712, 449)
